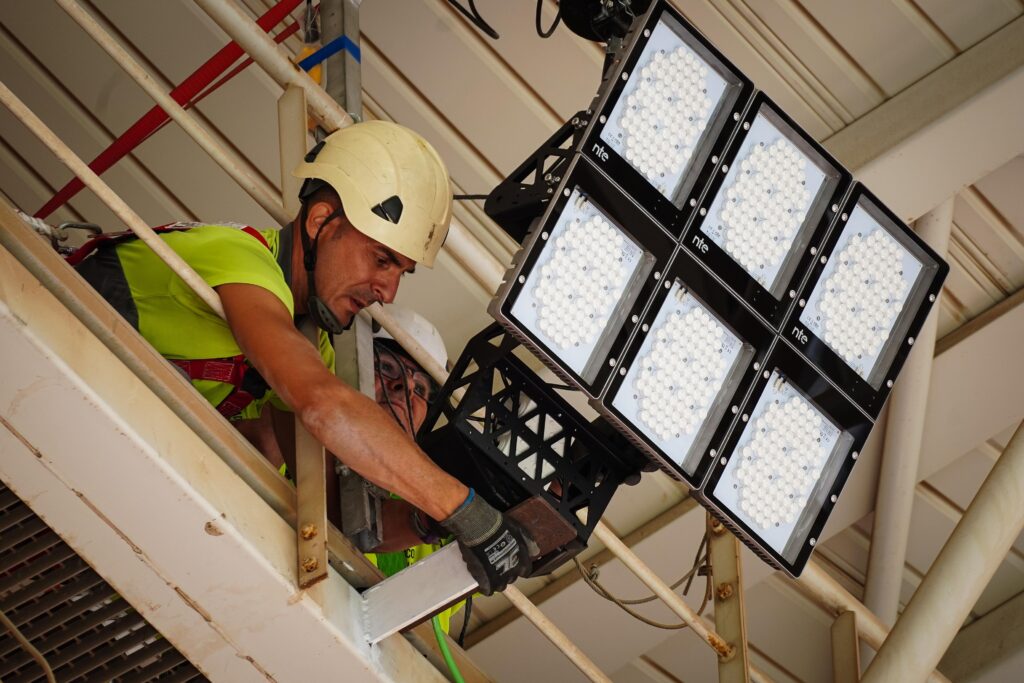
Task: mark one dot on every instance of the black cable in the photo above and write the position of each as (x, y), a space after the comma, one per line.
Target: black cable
(700, 561)
(467, 613)
(469, 197)
(310, 23)
(554, 24)
(474, 16)
(387, 392)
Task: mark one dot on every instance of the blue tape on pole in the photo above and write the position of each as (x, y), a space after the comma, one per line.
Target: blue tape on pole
(340, 43)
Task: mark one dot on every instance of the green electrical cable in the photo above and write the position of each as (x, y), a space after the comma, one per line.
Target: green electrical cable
(442, 642)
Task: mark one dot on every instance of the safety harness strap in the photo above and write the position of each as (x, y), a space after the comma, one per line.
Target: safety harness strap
(247, 383)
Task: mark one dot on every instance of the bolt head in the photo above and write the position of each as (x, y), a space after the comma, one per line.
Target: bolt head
(310, 565)
(308, 531)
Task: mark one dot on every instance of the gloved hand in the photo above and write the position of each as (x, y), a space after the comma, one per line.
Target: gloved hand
(495, 548)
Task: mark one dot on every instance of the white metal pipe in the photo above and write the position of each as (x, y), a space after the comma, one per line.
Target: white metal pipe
(959, 574)
(824, 591)
(466, 249)
(897, 478)
(228, 160)
(662, 590)
(110, 198)
(274, 60)
(555, 635)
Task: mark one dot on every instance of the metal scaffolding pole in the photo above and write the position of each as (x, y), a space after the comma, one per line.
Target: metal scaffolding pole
(131, 219)
(963, 568)
(897, 478)
(845, 649)
(730, 610)
(675, 602)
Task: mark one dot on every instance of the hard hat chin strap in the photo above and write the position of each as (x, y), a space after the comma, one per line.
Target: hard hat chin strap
(322, 316)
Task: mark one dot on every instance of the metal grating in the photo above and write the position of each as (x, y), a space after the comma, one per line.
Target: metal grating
(83, 628)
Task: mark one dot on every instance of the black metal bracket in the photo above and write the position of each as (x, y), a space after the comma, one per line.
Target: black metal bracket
(519, 199)
(501, 429)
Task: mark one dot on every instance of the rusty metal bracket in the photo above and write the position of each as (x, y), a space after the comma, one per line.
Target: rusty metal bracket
(311, 499)
(730, 617)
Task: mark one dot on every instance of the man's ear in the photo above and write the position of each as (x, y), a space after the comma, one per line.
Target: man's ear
(315, 216)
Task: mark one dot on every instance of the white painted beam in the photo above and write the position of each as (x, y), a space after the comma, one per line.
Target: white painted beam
(959, 574)
(88, 430)
(951, 128)
(903, 431)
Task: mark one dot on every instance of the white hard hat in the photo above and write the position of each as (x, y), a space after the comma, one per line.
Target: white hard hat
(421, 329)
(393, 186)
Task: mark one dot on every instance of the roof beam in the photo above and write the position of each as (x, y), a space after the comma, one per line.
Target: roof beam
(923, 145)
(989, 647)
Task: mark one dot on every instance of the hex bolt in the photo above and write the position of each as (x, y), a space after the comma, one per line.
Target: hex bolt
(725, 591)
(310, 565)
(308, 531)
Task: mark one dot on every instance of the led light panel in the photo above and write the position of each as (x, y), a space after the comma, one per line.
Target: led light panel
(861, 293)
(787, 458)
(580, 274)
(688, 364)
(866, 299)
(665, 112)
(681, 372)
(785, 448)
(772, 198)
(578, 282)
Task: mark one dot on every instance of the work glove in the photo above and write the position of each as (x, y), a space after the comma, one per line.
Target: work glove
(495, 548)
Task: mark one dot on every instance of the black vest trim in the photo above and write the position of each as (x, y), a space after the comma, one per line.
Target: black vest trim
(104, 272)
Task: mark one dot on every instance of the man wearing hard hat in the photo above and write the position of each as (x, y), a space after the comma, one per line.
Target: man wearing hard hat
(376, 202)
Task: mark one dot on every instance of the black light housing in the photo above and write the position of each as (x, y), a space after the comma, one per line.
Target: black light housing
(867, 296)
(668, 105)
(587, 268)
(686, 371)
(786, 460)
(794, 292)
(773, 197)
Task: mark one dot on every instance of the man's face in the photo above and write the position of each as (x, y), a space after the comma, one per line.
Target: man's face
(402, 388)
(353, 270)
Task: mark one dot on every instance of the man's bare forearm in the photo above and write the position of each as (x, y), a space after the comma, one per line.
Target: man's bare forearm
(365, 438)
(347, 423)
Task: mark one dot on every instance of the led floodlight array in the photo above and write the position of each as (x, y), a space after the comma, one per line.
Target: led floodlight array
(788, 456)
(686, 370)
(865, 300)
(774, 196)
(723, 292)
(587, 269)
(667, 108)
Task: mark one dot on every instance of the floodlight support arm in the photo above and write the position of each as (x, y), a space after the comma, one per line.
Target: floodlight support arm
(959, 574)
(898, 477)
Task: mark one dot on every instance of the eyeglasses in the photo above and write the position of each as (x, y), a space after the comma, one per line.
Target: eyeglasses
(391, 367)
